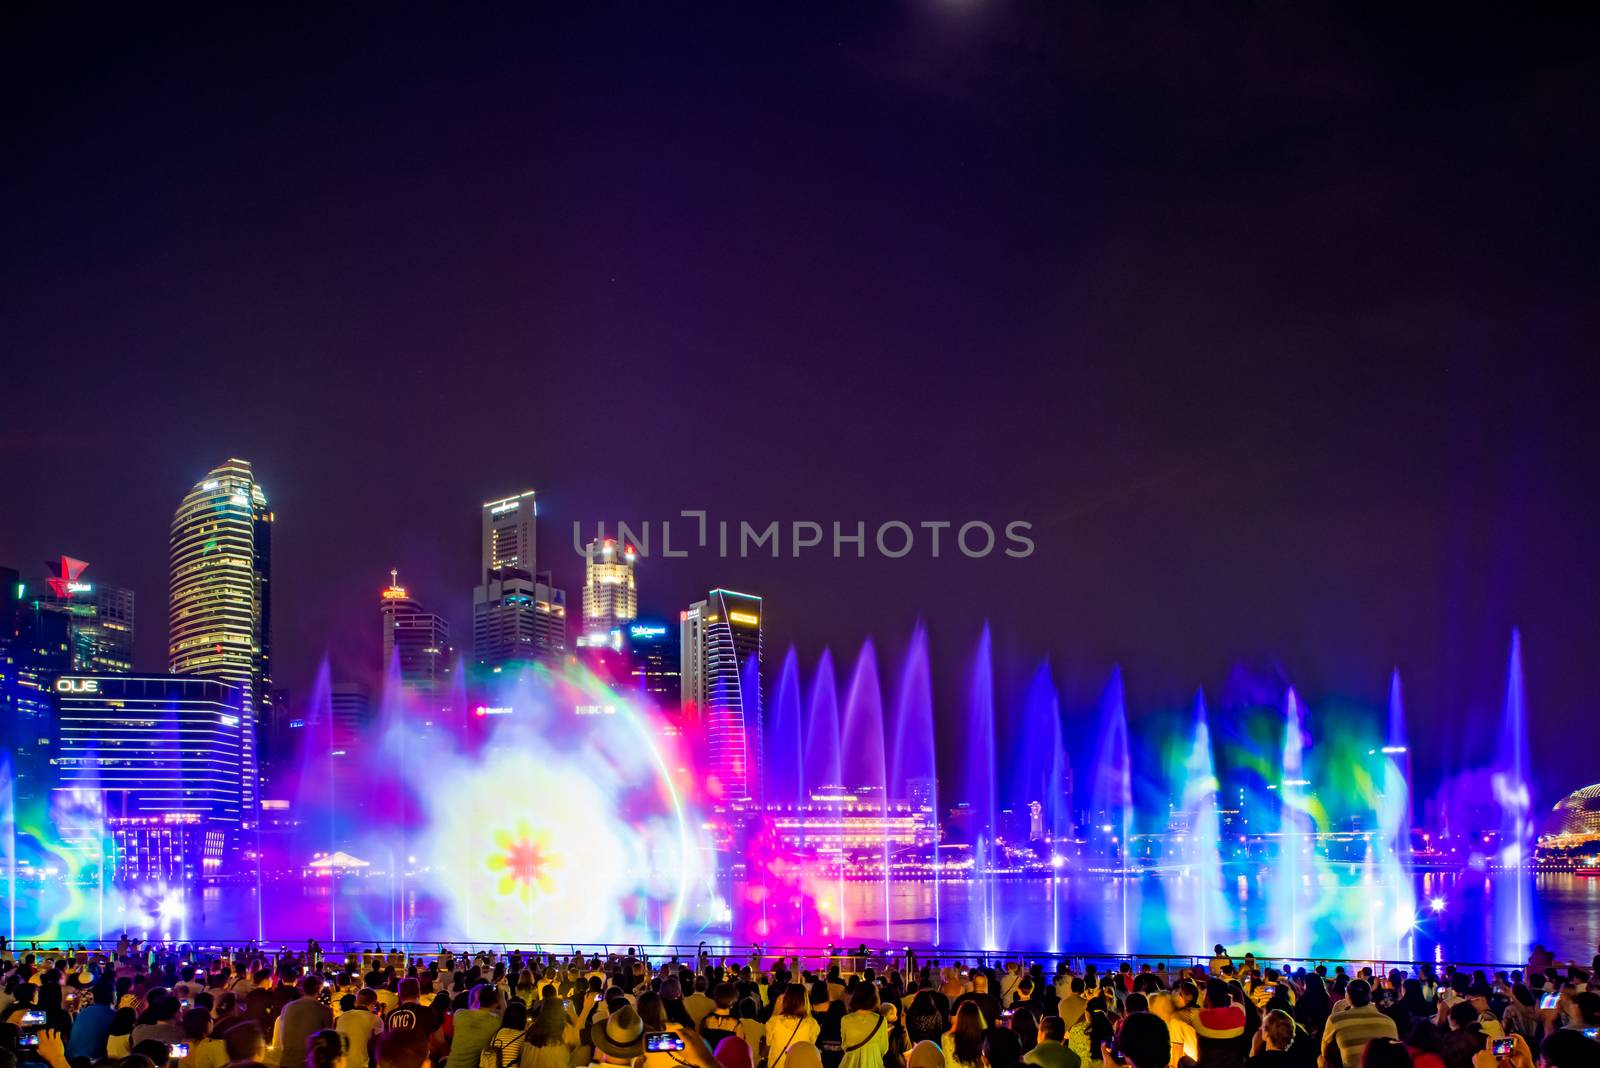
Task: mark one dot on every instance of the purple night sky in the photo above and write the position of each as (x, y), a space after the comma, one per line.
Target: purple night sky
(1278, 325)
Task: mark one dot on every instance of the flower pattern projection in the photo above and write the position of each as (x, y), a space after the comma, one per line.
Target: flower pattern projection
(525, 864)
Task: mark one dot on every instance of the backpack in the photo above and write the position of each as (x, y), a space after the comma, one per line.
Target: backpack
(501, 1054)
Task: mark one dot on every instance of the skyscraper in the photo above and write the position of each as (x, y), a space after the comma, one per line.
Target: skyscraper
(517, 612)
(417, 643)
(99, 617)
(655, 651)
(160, 756)
(723, 635)
(510, 527)
(219, 620)
(610, 600)
(35, 647)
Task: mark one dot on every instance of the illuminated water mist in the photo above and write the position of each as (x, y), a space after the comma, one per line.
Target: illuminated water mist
(1294, 835)
(914, 770)
(1513, 904)
(1110, 819)
(1200, 849)
(822, 728)
(981, 793)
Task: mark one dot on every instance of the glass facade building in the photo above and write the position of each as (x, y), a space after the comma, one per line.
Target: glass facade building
(161, 758)
(219, 622)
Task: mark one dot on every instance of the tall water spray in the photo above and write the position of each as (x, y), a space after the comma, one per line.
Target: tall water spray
(786, 756)
(1111, 796)
(1208, 919)
(1514, 892)
(1038, 783)
(1395, 908)
(863, 747)
(822, 728)
(1294, 835)
(981, 794)
(914, 772)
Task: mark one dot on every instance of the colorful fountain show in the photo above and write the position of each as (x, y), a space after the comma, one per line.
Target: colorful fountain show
(548, 807)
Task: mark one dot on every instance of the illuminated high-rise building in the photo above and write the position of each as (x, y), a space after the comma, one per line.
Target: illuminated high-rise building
(99, 617)
(416, 643)
(655, 649)
(510, 528)
(159, 757)
(610, 600)
(723, 635)
(35, 648)
(517, 613)
(219, 624)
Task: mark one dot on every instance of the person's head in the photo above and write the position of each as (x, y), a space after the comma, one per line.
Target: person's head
(793, 1002)
(1218, 995)
(619, 1038)
(325, 1049)
(158, 1052)
(1001, 1048)
(139, 1060)
(1278, 1029)
(1359, 993)
(1588, 1006)
(196, 1024)
(1463, 1014)
(162, 1009)
(311, 986)
(485, 996)
(864, 998)
(967, 1033)
(1386, 1053)
(734, 1052)
(924, 1054)
(1217, 950)
(516, 1015)
(1052, 1029)
(406, 1048)
(410, 990)
(725, 995)
(243, 1042)
(1568, 1049)
(1144, 1041)
(549, 1023)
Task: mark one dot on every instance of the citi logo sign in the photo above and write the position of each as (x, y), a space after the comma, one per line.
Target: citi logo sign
(77, 686)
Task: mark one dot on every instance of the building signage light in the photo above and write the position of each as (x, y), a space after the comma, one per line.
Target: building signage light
(77, 686)
(748, 618)
(648, 630)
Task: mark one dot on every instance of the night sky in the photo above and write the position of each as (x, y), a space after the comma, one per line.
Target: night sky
(1278, 325)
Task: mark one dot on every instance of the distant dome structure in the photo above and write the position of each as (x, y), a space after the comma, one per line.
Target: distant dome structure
(1578, 813)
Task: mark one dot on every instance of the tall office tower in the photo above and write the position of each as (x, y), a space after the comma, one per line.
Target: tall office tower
(609, 598)
(35, 649)
(691, 663)
(417, 643)
(654, 654)
(219, 624)
(509, 533)
(99, 617)
(727, 687)
(350, 717)
(161, 758)
(517, 612)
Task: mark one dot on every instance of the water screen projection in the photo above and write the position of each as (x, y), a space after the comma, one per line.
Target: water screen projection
(550, 807)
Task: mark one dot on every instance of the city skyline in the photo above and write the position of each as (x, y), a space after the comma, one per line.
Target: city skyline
(1275, 326)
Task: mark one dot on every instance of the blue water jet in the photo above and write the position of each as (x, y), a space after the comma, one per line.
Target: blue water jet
(1513, 897)
(786, 770)
(822, 728)
(981, 790)
(914, 772)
